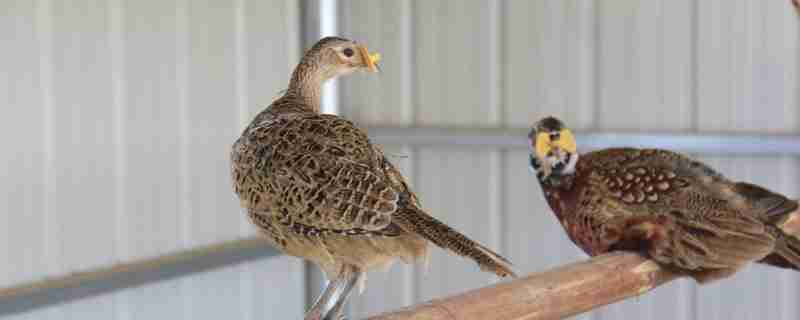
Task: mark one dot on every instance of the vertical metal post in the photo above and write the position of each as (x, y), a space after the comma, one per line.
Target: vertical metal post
(319, 19)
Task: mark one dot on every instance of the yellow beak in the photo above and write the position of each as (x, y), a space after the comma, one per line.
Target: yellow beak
(370, 59)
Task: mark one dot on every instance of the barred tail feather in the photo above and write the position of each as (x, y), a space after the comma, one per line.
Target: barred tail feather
(416, 221)
(787, 246)
(786, 254)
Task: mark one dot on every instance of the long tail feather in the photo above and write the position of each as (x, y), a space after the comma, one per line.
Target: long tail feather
(414, 220)
(787, 246)
(786, 254)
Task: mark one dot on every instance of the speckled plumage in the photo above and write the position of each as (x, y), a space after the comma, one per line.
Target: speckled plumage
(678, 211)
(318, 189)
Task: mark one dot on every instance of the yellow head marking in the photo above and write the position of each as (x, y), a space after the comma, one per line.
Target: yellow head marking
(542, 145)
(565, 141)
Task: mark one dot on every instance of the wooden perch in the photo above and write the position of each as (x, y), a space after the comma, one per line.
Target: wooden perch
(554, 294)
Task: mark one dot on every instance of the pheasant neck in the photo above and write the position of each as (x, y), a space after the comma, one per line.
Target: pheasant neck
(558, 181)
(305, 86)
(561, 198)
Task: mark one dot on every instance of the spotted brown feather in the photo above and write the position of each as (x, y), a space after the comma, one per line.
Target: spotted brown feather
(317, 188)
(678, 211)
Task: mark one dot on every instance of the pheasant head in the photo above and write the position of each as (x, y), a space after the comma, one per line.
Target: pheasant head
(553, 152)
(333, 56)
(330, 57)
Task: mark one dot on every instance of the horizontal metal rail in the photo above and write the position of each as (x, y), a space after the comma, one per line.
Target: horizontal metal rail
(63, 289)
(513, 138)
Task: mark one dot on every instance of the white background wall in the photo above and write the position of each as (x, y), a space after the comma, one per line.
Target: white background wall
(117, 117)
(116, 121)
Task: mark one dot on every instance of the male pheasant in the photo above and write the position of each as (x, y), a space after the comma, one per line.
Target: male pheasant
(676, 210)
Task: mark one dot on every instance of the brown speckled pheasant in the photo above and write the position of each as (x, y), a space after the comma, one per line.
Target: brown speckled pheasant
(678, 211)
(317, 188)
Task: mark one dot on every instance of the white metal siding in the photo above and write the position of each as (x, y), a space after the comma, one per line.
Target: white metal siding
(117, 118)
(116, 122)
(24, 180)
(686, 65)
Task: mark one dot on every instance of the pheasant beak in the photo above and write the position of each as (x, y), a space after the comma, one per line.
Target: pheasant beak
(545, 146)
(370, 60)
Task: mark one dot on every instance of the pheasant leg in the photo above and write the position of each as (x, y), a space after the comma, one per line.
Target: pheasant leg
(349, 277)
(324, 301)
(332, 299)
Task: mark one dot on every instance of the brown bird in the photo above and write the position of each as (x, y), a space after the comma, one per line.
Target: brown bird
(317, 188)
(679, 212)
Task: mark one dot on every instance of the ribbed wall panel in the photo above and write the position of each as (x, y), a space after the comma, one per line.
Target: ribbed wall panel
(643, 62)
(548, 55)
(147, 94)
(118, 117)
(84, 137)
(22, 126)
(211, 119)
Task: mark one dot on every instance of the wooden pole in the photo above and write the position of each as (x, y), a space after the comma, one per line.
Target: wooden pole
(554, 294)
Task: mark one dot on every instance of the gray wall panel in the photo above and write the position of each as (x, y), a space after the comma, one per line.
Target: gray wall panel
(211, 120)
(644, 64)
(548, 53)
(85, 158)
(385, 97)
(149, 215)
(452, 61)
(117, 122)
(747, 68)
(24, 180)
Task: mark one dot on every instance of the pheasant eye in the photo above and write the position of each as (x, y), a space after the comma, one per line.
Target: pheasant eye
(348, 52)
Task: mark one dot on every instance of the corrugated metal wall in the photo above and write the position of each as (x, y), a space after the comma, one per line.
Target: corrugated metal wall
(679, 65)
(118, 116)
(116, 121)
